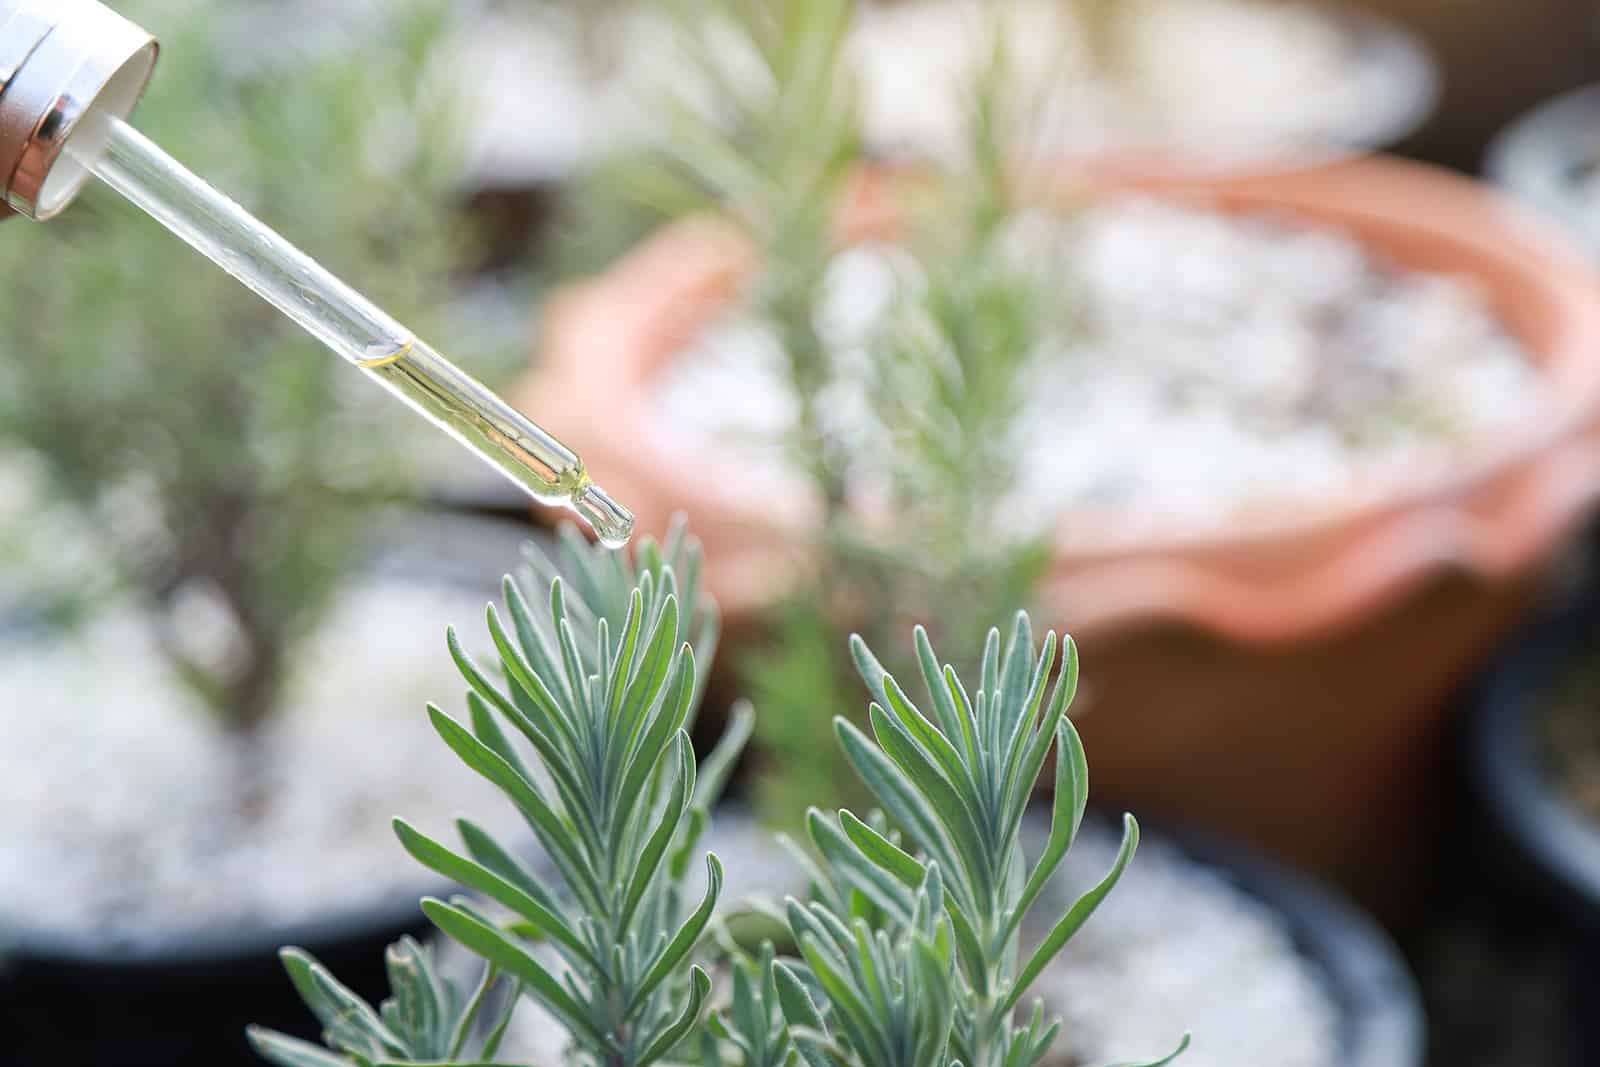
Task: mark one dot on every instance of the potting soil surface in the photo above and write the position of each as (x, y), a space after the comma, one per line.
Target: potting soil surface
(123, 813)
(1176, 947)
(1192, 368)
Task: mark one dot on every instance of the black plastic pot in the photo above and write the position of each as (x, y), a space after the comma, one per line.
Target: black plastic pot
(69, 1001)
(1546, 157)
(185, 1002)
(1541, 849)
(1380, 1012)
(1381, 1022)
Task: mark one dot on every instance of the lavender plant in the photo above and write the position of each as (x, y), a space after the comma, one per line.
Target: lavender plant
(908, 948)
(613, 796)
(916, 948)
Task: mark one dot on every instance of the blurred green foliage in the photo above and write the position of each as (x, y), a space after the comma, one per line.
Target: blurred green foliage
(207, 445)
(776, 150)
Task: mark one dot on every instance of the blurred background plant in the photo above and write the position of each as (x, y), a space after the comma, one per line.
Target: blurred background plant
(226, 468)
(778, 154)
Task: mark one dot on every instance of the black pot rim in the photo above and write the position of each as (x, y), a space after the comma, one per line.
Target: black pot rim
(214, 947)
(1560, 841)
(1379, 1008)
(389, 915)
(1381, 1022)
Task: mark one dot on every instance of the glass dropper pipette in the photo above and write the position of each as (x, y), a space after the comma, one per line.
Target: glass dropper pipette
(349, 324)
(70, 73)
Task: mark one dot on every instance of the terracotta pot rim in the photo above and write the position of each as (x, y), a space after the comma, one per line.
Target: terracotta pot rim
(1489, 509)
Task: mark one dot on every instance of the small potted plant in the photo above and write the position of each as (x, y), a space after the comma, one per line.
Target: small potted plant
(1548, 158)
(1532, 746)
(1235, 475)
(230, 555)
(611, 947)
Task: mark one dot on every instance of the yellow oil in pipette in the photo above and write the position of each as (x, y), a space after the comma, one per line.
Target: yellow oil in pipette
(346, 322)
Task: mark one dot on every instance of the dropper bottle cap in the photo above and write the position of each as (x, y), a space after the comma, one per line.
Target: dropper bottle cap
(60, 60)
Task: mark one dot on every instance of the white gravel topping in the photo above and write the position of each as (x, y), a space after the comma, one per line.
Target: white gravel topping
(1205, 365)
(120, 813)
(1175, 948)
(1226, 77)
(553, 91)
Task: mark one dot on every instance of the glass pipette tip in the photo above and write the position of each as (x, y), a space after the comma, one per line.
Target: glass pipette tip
(345, 321)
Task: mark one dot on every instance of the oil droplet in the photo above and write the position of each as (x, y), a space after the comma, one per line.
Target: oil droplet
(612, 523)
(383, 355)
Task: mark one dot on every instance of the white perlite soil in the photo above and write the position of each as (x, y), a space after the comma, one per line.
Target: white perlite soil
(1210, 76)
(1205, 366)
(119, 813)
(1213, 76)
(1177, 948)
(1174, 948)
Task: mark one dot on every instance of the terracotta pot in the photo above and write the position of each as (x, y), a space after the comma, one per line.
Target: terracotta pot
(1281, 678)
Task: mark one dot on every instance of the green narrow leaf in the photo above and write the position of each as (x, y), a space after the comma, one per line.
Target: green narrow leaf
(881, 851)
(668, 719)
(895, 792)
(484, 849)
(647, 682)
(933, 1006)
(955, 809)
(541, 702)
(534, 644)
(534, 689)
(951, 723)
(627, 647)
(414, 1007)
(973, 959)
(350, 1022)
(880, 886)
(552, 833)
(1015, 667)
(858, 1021)
(491, 1044)
(795, 1000)
(431, 854)
(989, 683)
(1066, 816)
(927, 735)
(1021, 785)
(1011, 754)
(568, 787)
(500, 950)
(682, 941)
(700, 986)
(745, 1014)
(872, 672)
(487, 729)
(649, 859)
(1183, 1046)
(1076, 916)
(964, 712)
(286, 1051)
(577, 679)
(479, 681)
(469, 1015)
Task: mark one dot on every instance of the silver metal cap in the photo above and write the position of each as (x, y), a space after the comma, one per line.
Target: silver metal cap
(61, 60)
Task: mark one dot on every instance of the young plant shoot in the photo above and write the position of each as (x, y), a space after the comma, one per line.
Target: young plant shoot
(907, 950)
